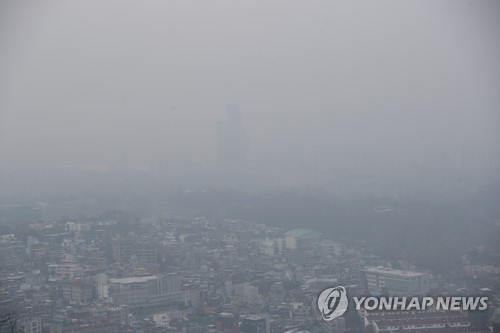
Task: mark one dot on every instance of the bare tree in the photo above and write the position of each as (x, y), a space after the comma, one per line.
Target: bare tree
(8, 319)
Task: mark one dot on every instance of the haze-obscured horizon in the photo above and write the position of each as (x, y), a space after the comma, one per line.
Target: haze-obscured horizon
(320, 87)
(143, 138)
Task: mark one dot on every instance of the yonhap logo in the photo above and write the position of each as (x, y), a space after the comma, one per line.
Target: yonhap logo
(332, 303)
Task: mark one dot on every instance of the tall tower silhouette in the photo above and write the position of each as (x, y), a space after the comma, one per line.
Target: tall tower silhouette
(232, 143)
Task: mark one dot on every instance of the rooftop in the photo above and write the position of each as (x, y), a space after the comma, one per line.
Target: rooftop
(135, 279)
(302, 233)
(388, 270)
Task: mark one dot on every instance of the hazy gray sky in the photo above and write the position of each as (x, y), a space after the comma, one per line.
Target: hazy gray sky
(86, 82)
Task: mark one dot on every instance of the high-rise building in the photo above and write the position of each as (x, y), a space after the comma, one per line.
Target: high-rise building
(226, 322)
(152, 290)
(253, 324)
(397, 282)
(29, 325)
(232, 142)
(124, 250)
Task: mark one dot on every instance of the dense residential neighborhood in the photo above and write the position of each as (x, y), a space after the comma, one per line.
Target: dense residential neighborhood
(179, 274)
